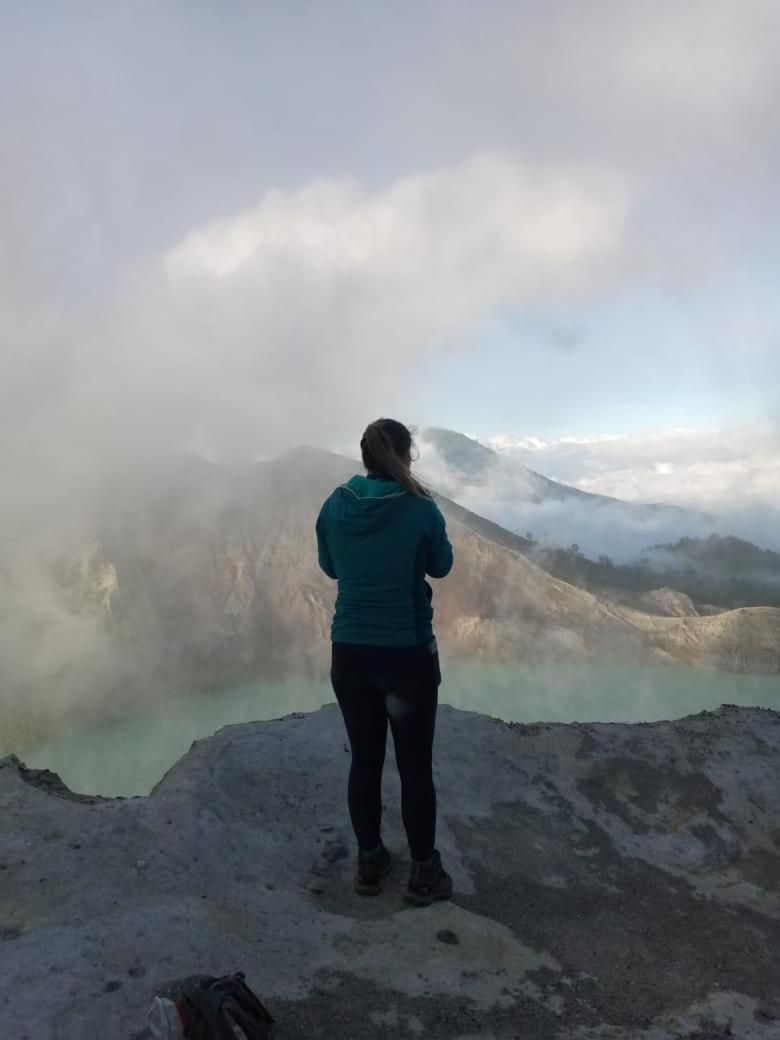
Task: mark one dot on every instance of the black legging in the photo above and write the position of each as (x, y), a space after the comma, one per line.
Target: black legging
(372, 685)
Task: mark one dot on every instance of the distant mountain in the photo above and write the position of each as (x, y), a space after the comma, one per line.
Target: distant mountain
(724, 572)
(501, 487)
(467, 458)
(475, 463)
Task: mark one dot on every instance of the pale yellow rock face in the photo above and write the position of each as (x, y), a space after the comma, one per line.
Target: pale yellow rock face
(668, 602)
(248, 577)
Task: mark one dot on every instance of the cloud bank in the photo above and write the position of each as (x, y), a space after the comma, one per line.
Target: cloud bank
(716, 470)
(235, 232)
(726, 481)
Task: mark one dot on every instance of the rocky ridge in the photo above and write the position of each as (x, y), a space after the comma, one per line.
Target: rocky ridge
(611, 881)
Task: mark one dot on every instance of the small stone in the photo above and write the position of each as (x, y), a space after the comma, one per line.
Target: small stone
(136, 971)
(446, 936)
(142, 864)
(112, 985)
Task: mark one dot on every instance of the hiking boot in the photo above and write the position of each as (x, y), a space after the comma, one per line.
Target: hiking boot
(371, 868)
(428, 881)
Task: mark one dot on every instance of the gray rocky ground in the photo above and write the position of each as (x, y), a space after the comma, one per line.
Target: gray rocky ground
(611, 881)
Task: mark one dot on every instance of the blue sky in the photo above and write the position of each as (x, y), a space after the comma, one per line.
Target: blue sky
(644, 362)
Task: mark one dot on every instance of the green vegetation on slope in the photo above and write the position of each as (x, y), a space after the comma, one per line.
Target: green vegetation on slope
(724, 571)
(728, 554)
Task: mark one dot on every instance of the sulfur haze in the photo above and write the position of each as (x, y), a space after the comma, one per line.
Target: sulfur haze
(230, 230)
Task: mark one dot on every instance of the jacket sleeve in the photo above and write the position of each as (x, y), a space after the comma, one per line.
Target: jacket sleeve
(323, 552)
(439, 562)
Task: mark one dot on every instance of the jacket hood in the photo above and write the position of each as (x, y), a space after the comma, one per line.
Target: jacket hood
(364, 504)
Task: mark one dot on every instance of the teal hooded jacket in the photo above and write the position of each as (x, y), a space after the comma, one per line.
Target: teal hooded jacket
(379, 541)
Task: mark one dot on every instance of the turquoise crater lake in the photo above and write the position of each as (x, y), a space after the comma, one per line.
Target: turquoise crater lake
(129, 757)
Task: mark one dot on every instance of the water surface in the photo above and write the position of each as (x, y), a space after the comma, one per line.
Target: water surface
(129, 757)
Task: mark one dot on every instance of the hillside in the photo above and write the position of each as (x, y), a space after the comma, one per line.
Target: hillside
(727, 556)
(225, 564)
(209, 579)
(501, 487)
(725, 572)
(611, 881)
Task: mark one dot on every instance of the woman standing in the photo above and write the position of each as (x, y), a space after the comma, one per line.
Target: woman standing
(379, 535)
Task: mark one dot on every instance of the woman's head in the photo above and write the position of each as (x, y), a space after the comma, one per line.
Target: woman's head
(386, 446)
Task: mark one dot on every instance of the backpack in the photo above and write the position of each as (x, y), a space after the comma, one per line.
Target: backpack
(223, 1009)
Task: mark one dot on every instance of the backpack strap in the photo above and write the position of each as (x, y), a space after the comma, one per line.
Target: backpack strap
(244, 1006)
(201, 1014)
(209, 1010)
